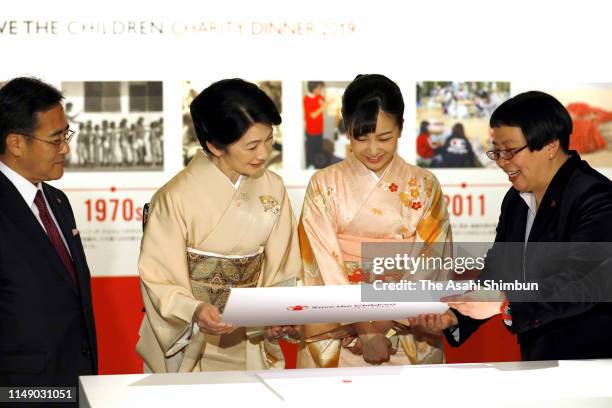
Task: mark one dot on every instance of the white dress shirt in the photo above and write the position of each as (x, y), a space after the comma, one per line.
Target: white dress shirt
(530, 200)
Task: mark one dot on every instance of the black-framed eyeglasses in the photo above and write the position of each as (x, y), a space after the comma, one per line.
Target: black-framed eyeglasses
(66, 136)
(505, 154)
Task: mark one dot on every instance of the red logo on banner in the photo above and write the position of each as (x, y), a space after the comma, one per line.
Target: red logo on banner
(297, 308)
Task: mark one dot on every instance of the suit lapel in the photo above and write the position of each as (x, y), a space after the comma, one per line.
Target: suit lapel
(547, 218)
(25, 221)
(58, 207)
(516, 221)
(544, 220)
(62, 212)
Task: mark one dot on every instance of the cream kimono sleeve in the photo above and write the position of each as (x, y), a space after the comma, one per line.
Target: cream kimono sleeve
(282, 261)
(166, 288)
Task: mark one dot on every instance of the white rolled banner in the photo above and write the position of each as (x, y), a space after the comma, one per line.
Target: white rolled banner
(248, 307)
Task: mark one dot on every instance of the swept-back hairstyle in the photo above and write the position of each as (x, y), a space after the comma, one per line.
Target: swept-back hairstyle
(21, 99)
(223, 112)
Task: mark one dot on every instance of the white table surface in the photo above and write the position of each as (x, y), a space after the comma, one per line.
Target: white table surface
(585, 383)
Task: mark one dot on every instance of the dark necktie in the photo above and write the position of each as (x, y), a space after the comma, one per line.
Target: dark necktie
(54, 234)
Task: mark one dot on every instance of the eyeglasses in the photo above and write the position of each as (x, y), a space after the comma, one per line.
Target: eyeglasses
(505, 154)
(66, 136)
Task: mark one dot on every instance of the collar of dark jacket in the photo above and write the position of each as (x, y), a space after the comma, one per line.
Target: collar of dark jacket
(560, 180)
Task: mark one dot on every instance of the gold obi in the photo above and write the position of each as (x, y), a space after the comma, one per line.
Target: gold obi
(212, 275)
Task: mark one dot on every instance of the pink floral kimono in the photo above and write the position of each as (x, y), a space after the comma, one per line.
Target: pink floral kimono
(347, 204)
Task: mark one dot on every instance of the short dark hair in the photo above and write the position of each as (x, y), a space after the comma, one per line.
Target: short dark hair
(365, 97)
(424, 128)
(21, 99)
(224, 111)
(541, 118)
(312, 85)
(458, 130)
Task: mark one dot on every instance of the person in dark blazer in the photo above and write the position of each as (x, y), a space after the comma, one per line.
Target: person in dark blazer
(555, 229)
(47, 331)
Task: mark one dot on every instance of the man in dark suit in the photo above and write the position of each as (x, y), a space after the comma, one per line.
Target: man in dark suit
(47, 332)
(555, 229)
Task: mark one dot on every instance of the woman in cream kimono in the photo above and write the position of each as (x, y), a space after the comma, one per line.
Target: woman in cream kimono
(372, 196)
(222, 222)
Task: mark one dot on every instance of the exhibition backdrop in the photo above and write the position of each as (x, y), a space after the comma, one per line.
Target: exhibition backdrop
(129, 70)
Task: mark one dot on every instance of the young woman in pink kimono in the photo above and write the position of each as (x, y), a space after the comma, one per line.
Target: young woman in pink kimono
(372, 196)
(222, 222)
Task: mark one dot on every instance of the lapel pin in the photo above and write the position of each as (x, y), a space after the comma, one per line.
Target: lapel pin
(553, 203)
(59, 200)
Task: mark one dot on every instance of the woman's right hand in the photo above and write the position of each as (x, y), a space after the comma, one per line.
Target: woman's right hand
(208, 319)
(435, 323)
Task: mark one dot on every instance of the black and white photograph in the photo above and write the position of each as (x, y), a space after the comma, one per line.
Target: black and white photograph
(191, 89)
(119, 125)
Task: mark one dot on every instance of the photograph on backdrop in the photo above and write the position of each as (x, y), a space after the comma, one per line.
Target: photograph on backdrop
(453, 122)
(325, 139)
(119, 125)
(590, 106)
(274, 89)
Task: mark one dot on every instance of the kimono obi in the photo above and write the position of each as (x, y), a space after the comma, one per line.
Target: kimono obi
(357, 268)
(213, 275)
